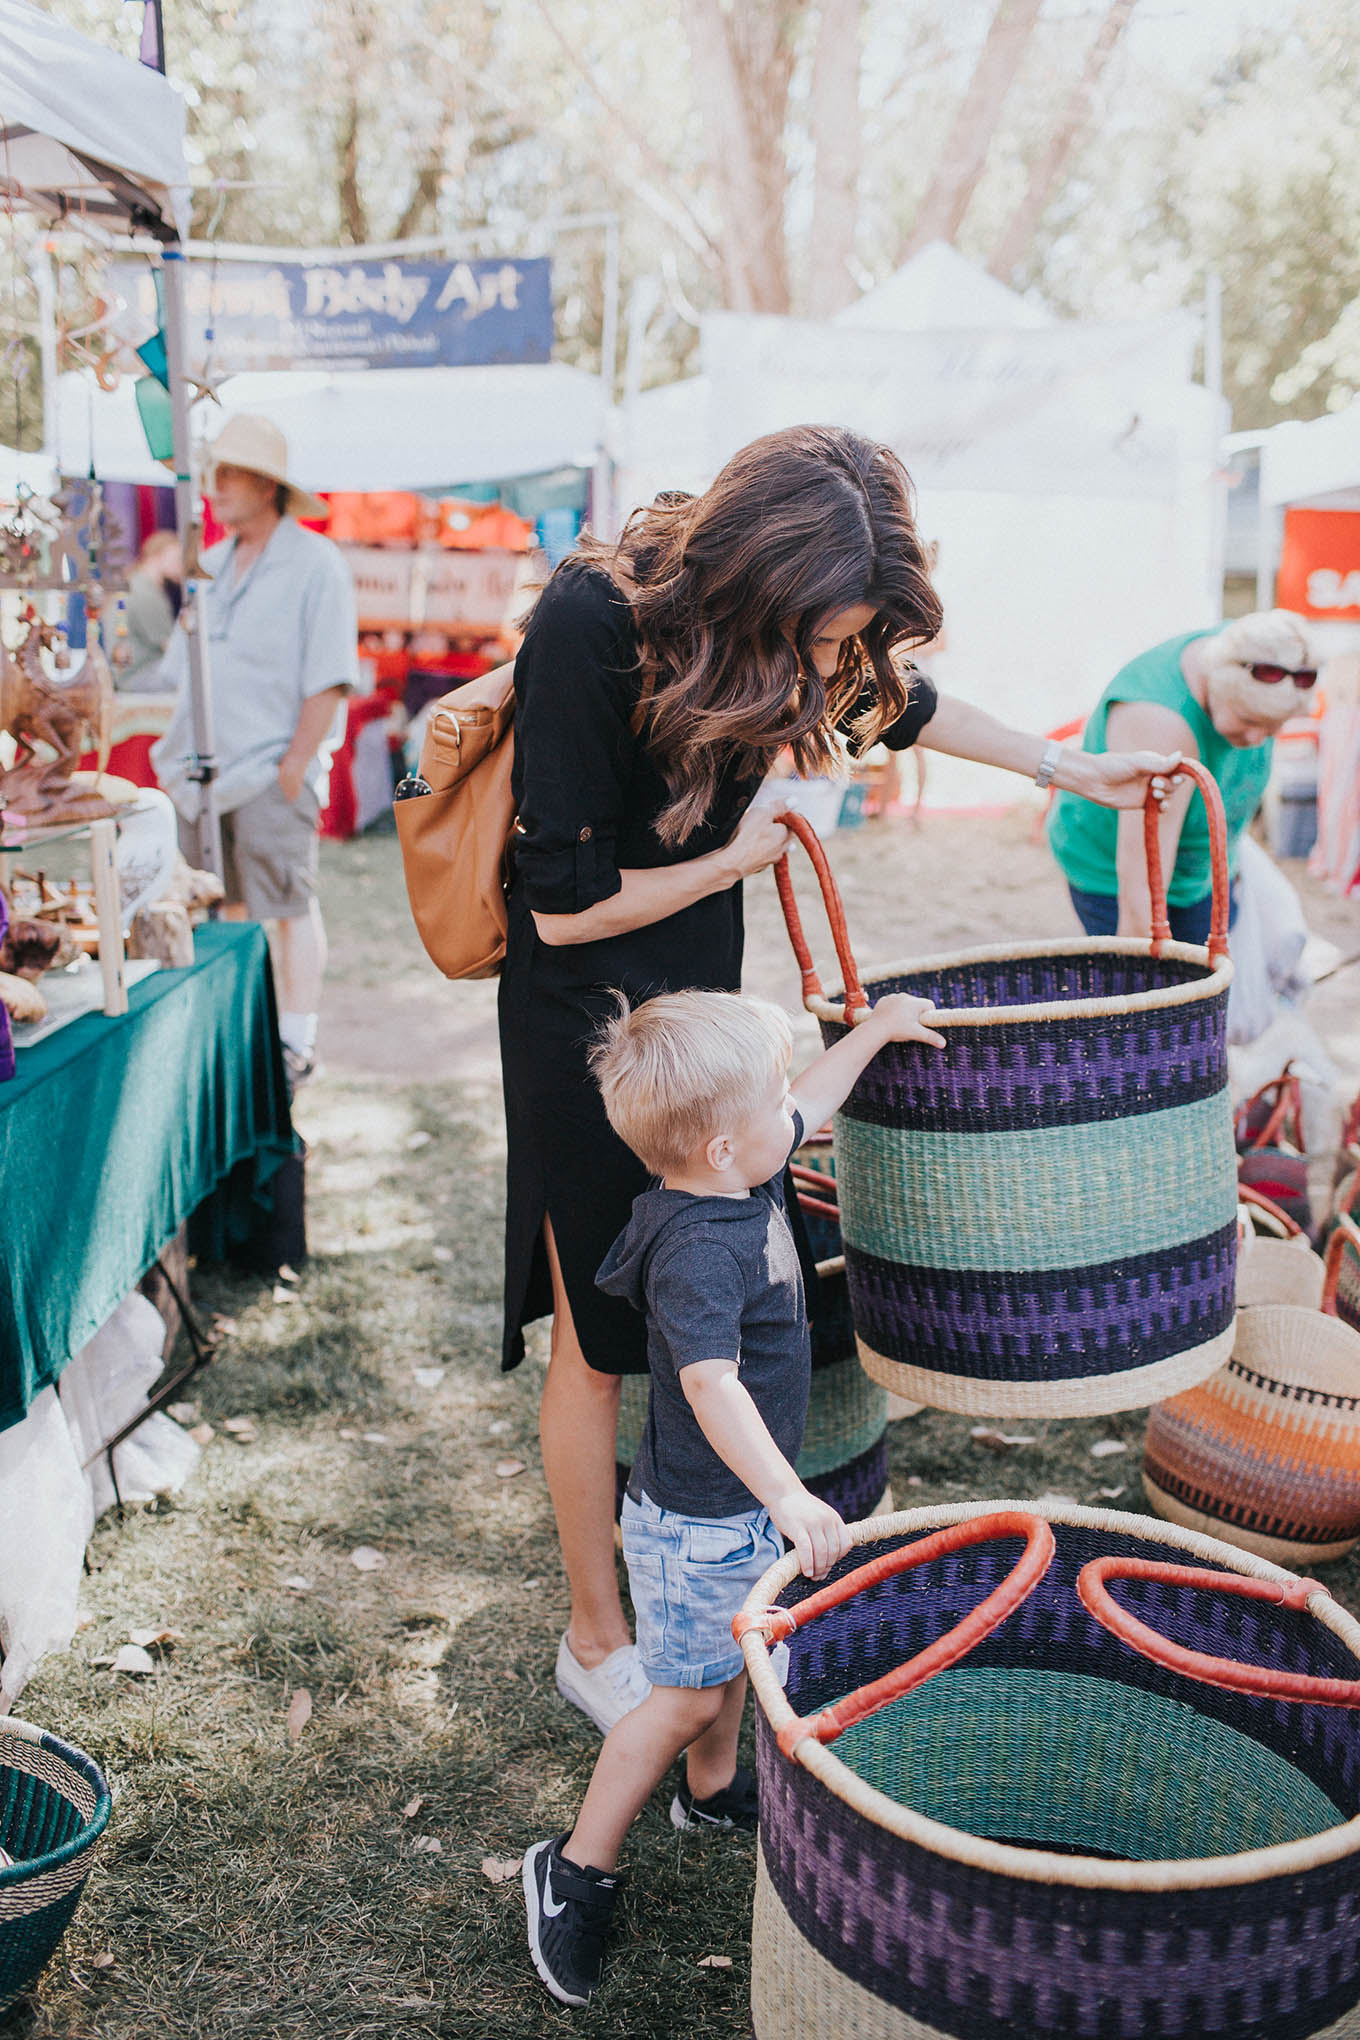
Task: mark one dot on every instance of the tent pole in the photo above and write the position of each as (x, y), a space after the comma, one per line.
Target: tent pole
(204, 768)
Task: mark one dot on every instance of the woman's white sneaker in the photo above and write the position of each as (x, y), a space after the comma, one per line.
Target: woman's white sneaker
(607, 1691)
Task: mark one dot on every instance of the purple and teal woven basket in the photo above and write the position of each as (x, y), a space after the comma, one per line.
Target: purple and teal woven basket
(54, 1807)
(1040, 1219)
(1055, 1837)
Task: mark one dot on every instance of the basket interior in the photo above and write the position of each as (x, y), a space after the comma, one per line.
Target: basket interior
(1055, 1735)
(43, 1803)
(1042, 980)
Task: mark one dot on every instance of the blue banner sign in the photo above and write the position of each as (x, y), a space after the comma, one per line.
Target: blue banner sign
(252, 315)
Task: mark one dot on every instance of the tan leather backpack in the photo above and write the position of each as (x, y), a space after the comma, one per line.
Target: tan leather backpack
(454, 820)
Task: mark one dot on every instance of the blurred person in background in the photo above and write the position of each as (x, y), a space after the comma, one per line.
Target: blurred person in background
(283, 653)
(149, 613)
(1218, 695)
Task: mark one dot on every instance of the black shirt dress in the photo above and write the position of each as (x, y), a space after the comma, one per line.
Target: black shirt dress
(588, 795)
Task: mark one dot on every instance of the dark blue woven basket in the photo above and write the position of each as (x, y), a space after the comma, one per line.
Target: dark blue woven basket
(54, 1806)
(1056, 1837)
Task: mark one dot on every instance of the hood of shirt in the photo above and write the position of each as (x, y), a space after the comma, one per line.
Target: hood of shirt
(659, 1218)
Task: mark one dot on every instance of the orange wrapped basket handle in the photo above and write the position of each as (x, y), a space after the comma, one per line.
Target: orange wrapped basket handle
(946, 1650)
(856, 998)
(1218, 861)
(1263, 1680)
(1347, 1234)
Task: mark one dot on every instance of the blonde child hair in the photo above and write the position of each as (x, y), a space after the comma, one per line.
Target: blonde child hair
(686, 1066)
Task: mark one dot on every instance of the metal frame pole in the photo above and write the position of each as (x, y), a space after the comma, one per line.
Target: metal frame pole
(203, 770)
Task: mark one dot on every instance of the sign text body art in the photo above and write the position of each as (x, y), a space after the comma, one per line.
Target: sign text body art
(390, 314)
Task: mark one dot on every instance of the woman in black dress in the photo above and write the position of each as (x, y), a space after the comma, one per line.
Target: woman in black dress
(656, 682)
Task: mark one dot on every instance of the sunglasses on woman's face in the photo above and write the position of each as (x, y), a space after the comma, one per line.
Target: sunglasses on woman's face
(1303, 677)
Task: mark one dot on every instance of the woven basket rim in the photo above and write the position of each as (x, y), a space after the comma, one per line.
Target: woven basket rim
(1040, 1866)
(1217, 976)
(85, 1766)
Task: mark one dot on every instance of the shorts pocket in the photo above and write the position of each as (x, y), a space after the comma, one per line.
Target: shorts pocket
(720, 1545)
(647, 1591)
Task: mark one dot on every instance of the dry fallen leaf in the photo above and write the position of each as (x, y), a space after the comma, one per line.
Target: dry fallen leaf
(1112, 1494)
(998, 1441)
(418, 1140)
(182, 1412)
(133, 1660)
(203, 1434)
(236, 1425)
(412, 1807)
(104, 1961)
(367, 1559)
(299, 1713)
(441, 1253)
(499, 1428)
(297, 1583)
(350, 1436)
(156, 1638)
(375, 1438)
(506, 1469)
(428, 1845)
(428, 1377)
(500, 1869)
(225, 1327)
(715, 1962)
(1106, 1448)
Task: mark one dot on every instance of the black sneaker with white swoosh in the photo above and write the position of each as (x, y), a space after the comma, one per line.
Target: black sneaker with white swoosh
(569, 1913)
(734, 1807)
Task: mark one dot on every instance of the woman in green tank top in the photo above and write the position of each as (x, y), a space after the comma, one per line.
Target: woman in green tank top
(1218, 696)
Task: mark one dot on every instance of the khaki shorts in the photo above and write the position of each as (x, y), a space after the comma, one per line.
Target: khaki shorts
(269, 854)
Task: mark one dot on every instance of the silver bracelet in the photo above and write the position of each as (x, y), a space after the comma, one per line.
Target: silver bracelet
(1048, 765)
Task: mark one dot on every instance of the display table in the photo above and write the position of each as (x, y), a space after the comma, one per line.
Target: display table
(113, 1132)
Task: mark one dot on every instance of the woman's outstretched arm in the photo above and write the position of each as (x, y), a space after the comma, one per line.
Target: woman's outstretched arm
(1117, 779)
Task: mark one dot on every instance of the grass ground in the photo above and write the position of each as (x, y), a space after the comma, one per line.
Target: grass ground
(331, 1886)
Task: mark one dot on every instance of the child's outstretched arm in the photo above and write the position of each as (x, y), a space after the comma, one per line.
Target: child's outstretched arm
(737, 1432)
(826, 1084)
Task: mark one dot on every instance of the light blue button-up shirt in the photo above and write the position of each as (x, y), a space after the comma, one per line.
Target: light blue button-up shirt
(287, 629)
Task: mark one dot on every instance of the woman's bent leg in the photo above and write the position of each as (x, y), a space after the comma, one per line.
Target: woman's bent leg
(578, 1426)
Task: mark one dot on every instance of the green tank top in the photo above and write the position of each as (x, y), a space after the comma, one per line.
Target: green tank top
(1084, 836)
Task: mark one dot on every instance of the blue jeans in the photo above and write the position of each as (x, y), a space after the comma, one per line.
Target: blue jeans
(688, 1576)
(1099, 915)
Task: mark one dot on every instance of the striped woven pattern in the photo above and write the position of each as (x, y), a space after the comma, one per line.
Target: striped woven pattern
(1266, 1453)
(54, 1806)
(1040, 1219)
(1142, 1920)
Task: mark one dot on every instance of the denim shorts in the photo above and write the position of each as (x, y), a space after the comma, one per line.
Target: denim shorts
(688, 1576)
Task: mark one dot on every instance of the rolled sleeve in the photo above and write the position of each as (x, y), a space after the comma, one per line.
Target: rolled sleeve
(574, 746)
(329, 649)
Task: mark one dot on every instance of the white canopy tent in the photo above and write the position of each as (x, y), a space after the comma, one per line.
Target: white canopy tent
(1068, 472)
(1317, 463)
(87, 131)
(403, 428)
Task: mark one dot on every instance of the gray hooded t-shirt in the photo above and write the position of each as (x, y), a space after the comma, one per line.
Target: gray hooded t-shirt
(718, 1279)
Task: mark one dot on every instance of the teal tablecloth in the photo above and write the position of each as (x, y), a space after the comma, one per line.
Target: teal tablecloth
(113, 1132)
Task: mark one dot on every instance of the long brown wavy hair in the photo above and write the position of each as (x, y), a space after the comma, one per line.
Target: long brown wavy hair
(730, 589)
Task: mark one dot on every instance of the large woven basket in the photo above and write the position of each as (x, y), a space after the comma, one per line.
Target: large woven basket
(1040, 1219)
(54, 1806)
(845, 1451)
(1037, 1829)
(1266, 1453)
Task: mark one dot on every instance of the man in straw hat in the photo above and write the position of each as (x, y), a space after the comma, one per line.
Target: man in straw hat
(282, 654)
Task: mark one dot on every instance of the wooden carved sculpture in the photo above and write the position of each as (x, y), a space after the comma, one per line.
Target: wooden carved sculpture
(66, 716)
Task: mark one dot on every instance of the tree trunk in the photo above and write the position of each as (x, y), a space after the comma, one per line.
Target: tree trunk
(742, 61)
(965, 150)
(1051, 163)
(835, 120)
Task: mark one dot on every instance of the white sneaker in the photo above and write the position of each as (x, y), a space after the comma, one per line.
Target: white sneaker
(607, 1691)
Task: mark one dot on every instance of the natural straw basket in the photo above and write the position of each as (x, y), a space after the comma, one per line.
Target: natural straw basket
(54, 1806)
(1267, 1452)
(1280, 1271)
(845, 1451)
(1071, 1836)
(1040, 1219)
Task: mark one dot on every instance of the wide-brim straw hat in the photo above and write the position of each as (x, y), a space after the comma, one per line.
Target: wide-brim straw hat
(247, 441)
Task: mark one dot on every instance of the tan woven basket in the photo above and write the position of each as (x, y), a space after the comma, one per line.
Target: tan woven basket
(1280, 1271)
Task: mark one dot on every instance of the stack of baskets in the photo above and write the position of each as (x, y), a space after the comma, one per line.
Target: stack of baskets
(1041, 1218)
(54, 1806)
(1129, 1815)
(844, 1458)
(1266, 1453)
